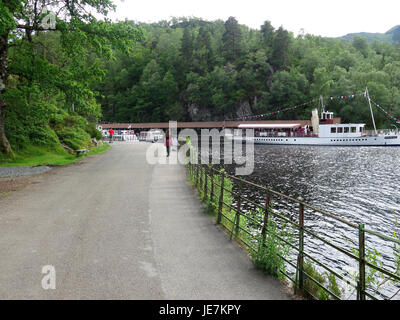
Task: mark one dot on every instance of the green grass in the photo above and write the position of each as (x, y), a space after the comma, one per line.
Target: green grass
(100, 149)
(41, 156)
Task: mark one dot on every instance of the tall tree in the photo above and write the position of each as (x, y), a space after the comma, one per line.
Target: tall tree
(231, 40)
(361, 44)
(187, 46)
(22, 20)
(280, 49)
(268, 34)
(203, 54)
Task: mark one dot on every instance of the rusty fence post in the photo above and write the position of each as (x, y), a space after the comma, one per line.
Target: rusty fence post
(205, 182)
(191, 170)
(301, 247)
(197, 175)
(201, 178)
(212, 184)
(221, 198)
(361, 255)
(266, 214)
(236, 224)
(193, 173)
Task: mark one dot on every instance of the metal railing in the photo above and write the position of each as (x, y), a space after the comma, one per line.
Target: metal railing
(212, 186)
(121, 137)
(394, 131)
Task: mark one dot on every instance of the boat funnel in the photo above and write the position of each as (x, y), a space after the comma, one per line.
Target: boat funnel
(315, 121)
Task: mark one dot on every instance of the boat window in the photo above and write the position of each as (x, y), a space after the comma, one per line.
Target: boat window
(340, 130)
(333, 130)
(346, 130)
(361, 129)
(353, 129)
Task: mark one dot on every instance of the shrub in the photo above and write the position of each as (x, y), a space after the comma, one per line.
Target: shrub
(75, 138)
(16, 131)
(269, 256)
(314, 290)
(43, 136)
(93, 132)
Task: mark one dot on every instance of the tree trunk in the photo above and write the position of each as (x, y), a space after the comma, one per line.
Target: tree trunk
(5, 146)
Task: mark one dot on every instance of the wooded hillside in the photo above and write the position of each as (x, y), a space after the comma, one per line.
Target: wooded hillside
(190, 69)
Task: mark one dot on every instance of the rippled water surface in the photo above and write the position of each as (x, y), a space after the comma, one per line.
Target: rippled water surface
(358, 184)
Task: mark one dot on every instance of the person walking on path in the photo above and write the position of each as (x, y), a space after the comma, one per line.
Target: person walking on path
(111, 132)
(167, 142)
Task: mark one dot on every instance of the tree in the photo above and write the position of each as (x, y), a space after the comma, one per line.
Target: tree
(203, 55)
(322, 83)
(187, 47)
(232, 39)
(361, 44)
(23, 20)
(270, 69)
(288, 89)
(268, 34)
(280, 48)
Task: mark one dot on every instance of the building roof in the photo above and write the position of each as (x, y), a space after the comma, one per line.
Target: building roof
(206, 125)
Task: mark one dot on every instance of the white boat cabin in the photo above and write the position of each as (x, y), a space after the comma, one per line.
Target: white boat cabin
(341, 130)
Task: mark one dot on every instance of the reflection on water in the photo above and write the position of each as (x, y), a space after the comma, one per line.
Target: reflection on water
(358, 184)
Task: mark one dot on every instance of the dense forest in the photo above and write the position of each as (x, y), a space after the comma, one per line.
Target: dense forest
(190, 69)
(58, 80)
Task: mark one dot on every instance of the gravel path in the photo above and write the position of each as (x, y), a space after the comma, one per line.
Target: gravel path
(22, 171)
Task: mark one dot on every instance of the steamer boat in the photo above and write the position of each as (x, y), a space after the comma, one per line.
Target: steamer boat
(322, 132)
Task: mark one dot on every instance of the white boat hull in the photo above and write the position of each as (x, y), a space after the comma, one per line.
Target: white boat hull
(383, 140)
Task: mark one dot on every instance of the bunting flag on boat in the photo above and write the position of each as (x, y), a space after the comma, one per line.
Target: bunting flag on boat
(258, 116)
(390, 116)
(352, 96)
(252, 117)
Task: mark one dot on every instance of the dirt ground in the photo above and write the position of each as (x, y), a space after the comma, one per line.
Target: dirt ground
(9, 185)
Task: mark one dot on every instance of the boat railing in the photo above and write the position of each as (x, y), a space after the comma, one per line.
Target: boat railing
(381, 132)
(284, 135)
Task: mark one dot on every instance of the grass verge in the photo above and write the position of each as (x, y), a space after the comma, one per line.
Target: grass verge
(43, 156)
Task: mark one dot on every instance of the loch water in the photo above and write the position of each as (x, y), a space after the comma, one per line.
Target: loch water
(358, 184)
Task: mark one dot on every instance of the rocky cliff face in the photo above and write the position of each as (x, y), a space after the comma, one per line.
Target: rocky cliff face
(199, 113)
(202, 113)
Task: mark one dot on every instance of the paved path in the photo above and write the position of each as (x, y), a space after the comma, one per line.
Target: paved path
(116, 227)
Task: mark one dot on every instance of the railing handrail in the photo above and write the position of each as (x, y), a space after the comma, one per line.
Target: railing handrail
(290, 198)
(210, 172)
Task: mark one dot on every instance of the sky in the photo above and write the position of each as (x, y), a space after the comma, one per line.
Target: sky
(328, 18)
